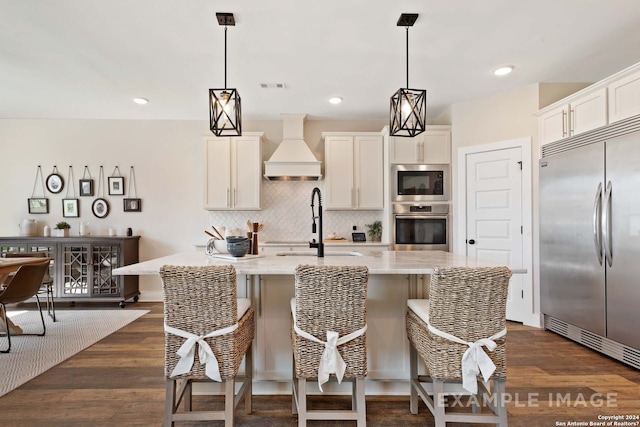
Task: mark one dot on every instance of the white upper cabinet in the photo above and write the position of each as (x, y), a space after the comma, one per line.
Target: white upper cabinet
(610, 100)
(624, 97)
(353, 171)
(233, 172)
(431, 146)
(582, 114)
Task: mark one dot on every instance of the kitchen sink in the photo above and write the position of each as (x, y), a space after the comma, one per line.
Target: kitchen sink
(315, 253)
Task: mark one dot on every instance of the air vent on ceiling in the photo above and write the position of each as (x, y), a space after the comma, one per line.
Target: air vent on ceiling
(273, 85)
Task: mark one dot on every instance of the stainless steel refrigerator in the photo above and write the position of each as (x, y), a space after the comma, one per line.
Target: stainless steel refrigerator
(590, 239)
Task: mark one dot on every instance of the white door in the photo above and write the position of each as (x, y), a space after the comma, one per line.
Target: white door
(494, 216)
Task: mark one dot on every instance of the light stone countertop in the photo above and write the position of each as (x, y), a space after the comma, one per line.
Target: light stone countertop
(378, 262)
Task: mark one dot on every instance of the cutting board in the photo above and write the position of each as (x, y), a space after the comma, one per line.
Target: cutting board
(336, 241)
(229, 257)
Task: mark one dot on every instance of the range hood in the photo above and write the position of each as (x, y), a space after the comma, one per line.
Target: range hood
(292, 160)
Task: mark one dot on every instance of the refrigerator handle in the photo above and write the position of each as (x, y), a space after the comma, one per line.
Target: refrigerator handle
(606, 225)
(597, 220)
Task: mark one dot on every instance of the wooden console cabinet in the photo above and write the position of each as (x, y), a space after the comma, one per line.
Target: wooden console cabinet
(82, 266)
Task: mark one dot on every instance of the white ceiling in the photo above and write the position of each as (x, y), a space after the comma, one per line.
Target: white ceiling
(89, 58)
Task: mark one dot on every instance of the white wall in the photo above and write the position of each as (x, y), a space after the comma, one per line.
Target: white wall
(167, 157)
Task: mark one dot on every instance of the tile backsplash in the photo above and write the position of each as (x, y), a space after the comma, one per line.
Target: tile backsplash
(286, 214)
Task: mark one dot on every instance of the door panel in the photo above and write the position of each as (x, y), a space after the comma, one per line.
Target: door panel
(572, 280)
(623, 287)
(494, 215)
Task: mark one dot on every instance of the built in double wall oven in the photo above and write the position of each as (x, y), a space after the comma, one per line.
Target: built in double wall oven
(420, 183)
(420, 227)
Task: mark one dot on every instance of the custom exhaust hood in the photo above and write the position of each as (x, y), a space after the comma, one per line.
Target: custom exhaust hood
(292, 160)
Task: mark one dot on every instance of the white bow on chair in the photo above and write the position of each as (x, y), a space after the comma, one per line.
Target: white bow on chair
(205, 354)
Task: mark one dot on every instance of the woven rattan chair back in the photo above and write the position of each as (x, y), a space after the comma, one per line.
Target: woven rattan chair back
(469, 303)
(330, 298)
(200, 300)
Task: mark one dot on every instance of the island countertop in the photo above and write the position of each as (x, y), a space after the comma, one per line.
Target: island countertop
(378, 262)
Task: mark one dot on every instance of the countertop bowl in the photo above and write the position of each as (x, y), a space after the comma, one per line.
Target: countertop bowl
(221, 246)
(237, 246)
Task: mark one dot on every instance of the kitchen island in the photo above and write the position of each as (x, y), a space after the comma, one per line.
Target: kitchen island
(268, 281)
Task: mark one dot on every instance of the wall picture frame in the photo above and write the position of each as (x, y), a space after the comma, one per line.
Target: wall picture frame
(133, 205)
(116, 185)
(54, 183)
(38, 205)
(86, 187)
(100, 208)
(70, 208)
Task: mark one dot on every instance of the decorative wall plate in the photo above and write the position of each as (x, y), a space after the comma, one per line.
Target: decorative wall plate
(100, 208)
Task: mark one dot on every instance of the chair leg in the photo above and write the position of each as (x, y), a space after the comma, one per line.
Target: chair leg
(501, 407)
(52, 310)
(169, 403)
(413, 375)
(44, 328)
(248, 373)
(302, 402)
(294, 388)
(229, 398)
(361, 404)
(6, 323)
(438, 402)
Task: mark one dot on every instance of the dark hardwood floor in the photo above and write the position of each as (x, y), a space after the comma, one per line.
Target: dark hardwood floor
(119, 382)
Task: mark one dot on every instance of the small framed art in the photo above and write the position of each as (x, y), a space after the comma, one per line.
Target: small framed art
(100, 208)
(54, 183)
(133, 205)
(116, 185)
(70, 208)
(86, 187)
(38, 205)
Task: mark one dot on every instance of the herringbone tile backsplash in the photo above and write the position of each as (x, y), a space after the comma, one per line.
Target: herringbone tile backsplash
(286, 214)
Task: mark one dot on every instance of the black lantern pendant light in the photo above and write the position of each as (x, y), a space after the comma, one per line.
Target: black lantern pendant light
(225, 117)
(408, 115)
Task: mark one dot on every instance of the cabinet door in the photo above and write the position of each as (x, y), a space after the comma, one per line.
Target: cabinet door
(247, 172)
(588, 112)
(217, 173)
(368, 172)
(624, 98)
(404, 150)
(436, 146)
(339, 186)
(553, 125)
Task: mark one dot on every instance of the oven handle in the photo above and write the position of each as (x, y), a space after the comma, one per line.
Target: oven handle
(420, 216)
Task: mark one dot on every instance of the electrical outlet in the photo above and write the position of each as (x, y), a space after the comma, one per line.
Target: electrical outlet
(355, 227)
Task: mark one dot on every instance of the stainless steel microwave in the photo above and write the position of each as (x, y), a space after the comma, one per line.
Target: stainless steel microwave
(420, 183)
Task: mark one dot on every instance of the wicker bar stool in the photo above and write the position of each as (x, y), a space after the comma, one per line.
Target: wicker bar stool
(330, 306)
(203, 315)
(464, 315)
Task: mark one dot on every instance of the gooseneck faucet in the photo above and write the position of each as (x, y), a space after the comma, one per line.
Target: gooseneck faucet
(319, 244)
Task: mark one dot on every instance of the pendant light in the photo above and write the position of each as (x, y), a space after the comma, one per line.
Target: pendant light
(408, 115)
(225, 117)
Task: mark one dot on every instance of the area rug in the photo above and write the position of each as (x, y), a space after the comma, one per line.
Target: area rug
(73, 331)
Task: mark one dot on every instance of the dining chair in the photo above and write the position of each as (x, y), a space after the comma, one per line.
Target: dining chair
(47, 280)
(459, 333)
(203, 315)
(24, 285)
(328, 331)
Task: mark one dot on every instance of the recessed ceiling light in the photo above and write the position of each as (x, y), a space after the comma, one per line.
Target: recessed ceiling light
(335, 100)
(141, 101)
(503, 71)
